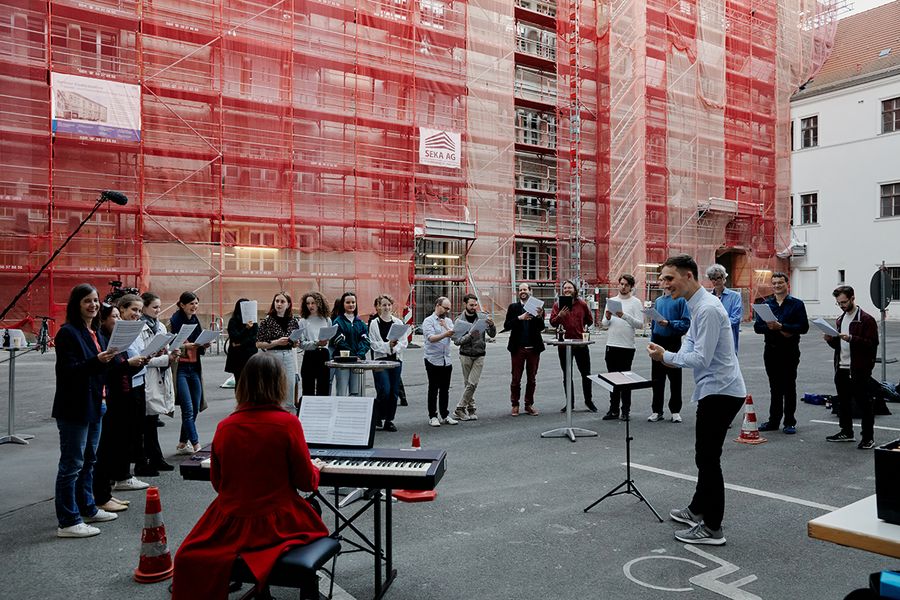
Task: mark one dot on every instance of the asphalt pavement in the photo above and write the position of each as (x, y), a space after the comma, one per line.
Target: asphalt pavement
(508, 521)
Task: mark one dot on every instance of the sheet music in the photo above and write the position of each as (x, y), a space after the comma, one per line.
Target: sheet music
(249, 310)
(533, 306)
(654, 314)
(297, 333)
(398, 330)
(826, 328)
(337, 420)
(461, 328)
(123, 335)
(614, 306)
(206, 336)
(326, 333)
(764, 311)
(181, 337)
(157, 343)
(479, 326)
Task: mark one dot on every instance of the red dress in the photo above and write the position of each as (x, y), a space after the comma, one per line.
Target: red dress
(259, 460)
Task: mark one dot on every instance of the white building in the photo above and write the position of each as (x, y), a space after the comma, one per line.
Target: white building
(845, 165)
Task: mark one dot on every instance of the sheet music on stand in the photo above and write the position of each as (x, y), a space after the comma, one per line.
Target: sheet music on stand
(338, 421)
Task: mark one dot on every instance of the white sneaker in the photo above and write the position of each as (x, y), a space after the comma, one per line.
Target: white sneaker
(676, 418)
(434, 422)
(101, 516)
(461, 415)
(81, 530)
(131, 484)
(473, 417)
(654, 417)
(450, 420)
(186, 449)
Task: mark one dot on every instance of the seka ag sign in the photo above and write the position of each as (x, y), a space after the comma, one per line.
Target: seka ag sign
(439, 148)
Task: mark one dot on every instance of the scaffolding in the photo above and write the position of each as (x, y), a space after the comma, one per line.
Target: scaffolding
(284, 145)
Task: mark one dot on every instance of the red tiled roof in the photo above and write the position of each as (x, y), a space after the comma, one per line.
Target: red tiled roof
(858, 42)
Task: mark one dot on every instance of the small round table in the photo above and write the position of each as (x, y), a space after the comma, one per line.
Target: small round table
(569, 431)
(361, 366)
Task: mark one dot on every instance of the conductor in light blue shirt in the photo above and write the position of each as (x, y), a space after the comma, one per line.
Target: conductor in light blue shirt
(708, 349)
(731, 299)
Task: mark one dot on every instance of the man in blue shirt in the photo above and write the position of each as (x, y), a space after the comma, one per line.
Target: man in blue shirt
(731, 299)
(667, 332)
(781, 353)
(708, 349)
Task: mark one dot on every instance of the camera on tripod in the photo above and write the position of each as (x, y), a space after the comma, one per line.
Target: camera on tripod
(116, 291)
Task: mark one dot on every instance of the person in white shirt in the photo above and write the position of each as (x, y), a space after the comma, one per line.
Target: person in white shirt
(620, 343)
(437, 329)
(387, 381)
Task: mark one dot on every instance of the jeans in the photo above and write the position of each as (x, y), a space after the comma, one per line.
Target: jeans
(714, 415)
(75, 475)
(288, 359)
(189, 390)
(347, 382)
(527, 360)
(619, 359)
(438, 387)
(387, 392)
(471, 370)
(781, 367)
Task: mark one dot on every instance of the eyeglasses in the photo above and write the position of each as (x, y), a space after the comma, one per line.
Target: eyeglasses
(445, 307)
(716, 278)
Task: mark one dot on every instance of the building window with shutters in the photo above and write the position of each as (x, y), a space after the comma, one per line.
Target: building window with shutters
(809, 132)
(809, 209)
(890, 115)
(890, 200)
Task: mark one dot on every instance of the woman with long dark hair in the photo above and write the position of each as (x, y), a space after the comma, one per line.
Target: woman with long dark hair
(159, 386)
(241, 341)
(78, 407)
(353, 337)
(387, 381)
(315, 376)
(189, 379)
(258, 512)
(274, 336)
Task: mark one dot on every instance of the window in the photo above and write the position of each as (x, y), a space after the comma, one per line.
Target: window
(890, 200)
(894, 274)
(535, 261)
(890, 115)
(809, 209)
(806, 284)
(842, 276)
(809, 132)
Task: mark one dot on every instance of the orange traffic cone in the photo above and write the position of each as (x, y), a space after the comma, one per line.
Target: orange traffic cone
(749, 429)
(156, 562)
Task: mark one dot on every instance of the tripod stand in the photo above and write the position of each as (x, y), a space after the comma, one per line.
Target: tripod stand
(617, 382)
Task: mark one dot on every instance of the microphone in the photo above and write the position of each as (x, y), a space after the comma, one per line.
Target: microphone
(114, 196)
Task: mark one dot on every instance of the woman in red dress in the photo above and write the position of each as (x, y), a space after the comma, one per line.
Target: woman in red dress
(259, 461)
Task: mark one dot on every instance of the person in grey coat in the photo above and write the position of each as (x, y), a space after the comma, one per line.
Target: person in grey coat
(468, 335)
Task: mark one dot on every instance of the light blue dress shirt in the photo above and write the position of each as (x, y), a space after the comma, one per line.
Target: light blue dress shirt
(708, 349)
(734, 306)
(437, 353)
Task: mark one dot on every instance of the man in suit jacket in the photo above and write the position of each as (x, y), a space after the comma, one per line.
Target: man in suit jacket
(525, 347)
(854, 359)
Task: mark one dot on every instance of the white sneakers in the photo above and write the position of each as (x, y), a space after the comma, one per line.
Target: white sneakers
(186, 449)
(131, 484)
(81, 530)
(434, 422)
(100, 516)
(450, 420)
(654, 417)
(461, 415)
(676, 418)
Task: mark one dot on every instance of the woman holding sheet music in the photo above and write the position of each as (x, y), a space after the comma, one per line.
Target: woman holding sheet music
(159, 384)
(242, 338)
(275, 336)
(315, 376)
(189, 379)
(387, 381)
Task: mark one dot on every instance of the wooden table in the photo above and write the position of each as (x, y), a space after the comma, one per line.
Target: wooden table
(858, 526)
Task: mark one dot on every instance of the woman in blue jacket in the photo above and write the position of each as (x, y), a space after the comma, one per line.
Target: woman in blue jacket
(78, 406)
(352, 336)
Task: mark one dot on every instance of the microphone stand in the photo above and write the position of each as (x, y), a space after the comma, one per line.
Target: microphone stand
(103, 198)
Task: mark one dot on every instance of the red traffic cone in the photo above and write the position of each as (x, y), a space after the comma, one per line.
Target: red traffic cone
(749, 429)
(416, 442)
(155, 563)
(412, 495)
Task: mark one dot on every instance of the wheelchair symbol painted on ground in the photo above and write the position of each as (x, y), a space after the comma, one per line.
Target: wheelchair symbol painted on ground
(709, 580)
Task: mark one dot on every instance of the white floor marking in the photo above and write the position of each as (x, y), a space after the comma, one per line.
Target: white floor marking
(738, 488)
(836, 423)
(709, 580)
(627, 569)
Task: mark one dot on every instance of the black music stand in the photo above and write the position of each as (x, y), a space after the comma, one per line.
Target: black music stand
(616, 382)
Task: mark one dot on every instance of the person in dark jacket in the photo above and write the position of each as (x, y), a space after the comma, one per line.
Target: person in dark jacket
(854, 359)
(352, 337)
(781, 354)
(525, 347)
(78, 406)
(241, 342)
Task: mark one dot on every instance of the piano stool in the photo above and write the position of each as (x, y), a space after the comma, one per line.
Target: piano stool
(296, 568)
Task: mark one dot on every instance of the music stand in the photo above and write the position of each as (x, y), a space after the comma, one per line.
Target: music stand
(617, 382)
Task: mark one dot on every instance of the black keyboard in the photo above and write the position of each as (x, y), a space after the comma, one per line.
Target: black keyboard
(378, 468)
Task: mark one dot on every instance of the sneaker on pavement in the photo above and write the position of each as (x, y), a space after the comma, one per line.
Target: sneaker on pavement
(866, 445)
(789, 429)
(186, 449)
(460, 414)
(450, 420)
(515, 411)
(434, 422)
(701, 534)
(589, 404)
(676, 418)
(624, 416)
(113, 506)
(610, 416)
(473, 416)
(129, 485)
(654, 417)
(840, 436)
(100, 516)
(389, 426)
(684, 515)
(768, 426)
(80, 530)
(531, 410)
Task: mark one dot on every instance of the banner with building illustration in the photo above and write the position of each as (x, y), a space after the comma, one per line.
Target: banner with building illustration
(96, 108)
(439, 148)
